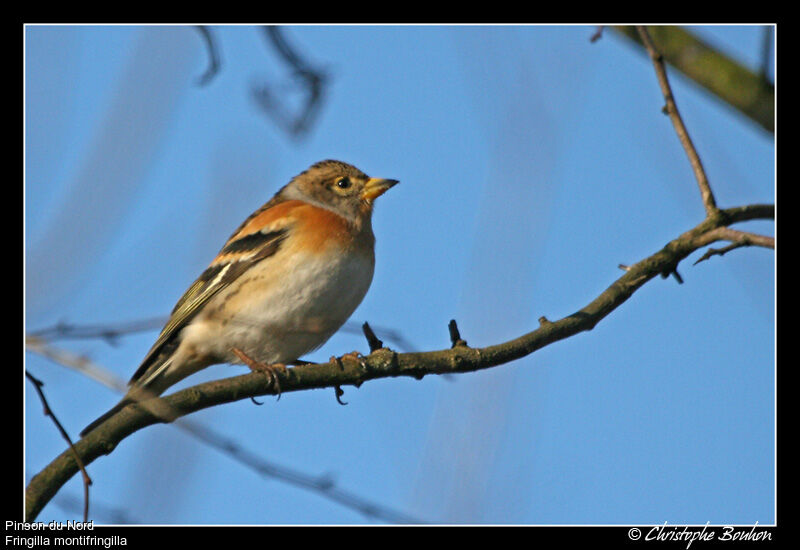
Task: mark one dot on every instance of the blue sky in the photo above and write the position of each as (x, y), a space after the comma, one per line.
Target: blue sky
(532, 162)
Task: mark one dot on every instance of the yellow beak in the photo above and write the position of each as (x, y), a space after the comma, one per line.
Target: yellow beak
(375, 187)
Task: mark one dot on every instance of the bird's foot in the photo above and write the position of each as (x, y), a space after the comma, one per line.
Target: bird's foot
(257, 366)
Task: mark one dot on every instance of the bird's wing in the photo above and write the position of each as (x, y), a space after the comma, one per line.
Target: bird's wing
(248, 246)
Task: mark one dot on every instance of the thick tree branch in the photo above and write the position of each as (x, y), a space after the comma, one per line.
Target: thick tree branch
(384, 363)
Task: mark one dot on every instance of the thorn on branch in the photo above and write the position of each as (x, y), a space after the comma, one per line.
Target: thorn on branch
(597, 35)
(737, 239)
(721, 251)
(544, 321)
(388, 333)
(624, 267)
(372, 340)
(259, 403)
(455, 336)
(674, 273)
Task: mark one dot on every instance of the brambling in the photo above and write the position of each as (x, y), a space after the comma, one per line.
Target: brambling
(282, 285)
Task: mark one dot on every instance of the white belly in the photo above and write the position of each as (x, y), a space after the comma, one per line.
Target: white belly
(279, 317)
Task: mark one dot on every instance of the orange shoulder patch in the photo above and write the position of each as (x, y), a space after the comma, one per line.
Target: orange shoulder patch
(313, 228)
(272, 218)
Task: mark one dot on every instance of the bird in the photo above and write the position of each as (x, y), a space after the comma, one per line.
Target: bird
(283, 283)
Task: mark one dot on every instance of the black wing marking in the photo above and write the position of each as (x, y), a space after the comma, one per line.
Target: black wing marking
(210, 282)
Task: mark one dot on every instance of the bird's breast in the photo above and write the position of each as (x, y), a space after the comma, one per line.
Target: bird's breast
(289, 304)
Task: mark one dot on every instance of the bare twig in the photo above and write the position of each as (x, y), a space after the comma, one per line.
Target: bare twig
(313, 81)
(37, 384)
(598, 34)
(751, 239)
(101, 512)
(709, 202)
(738, 239)
(76, 362)
(323, 485)
(213, 55)
(720, 251)
(111, 333)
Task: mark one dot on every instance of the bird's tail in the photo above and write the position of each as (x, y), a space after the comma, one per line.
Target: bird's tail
(152, 378)
(114, 410)
(142, 396)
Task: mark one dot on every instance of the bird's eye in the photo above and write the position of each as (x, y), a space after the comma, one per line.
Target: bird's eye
(343, 183)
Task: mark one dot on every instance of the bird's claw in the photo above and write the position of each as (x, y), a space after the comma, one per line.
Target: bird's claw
(270, 370)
